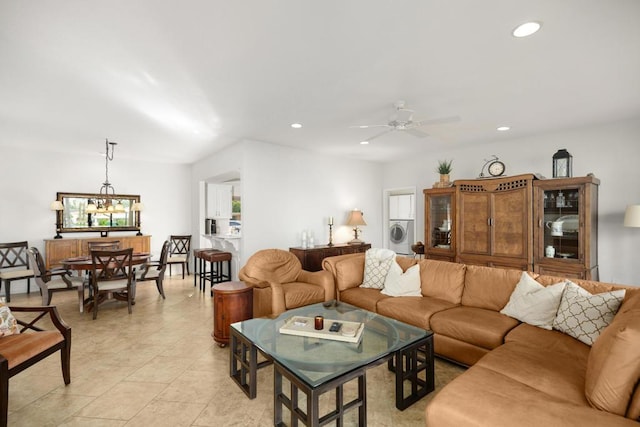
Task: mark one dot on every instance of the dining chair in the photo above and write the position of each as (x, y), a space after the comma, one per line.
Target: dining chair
(111, 274)
(14, 265)
(154, 270)
(179, 253)
(54, 280)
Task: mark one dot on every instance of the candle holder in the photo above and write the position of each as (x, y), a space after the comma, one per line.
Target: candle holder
(330, 235)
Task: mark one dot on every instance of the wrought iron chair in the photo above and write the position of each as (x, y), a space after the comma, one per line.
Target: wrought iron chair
(179, 254)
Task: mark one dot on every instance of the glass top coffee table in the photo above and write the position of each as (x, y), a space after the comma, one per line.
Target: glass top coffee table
(316, 365)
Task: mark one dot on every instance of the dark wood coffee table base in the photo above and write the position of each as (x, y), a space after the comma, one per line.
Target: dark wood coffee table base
(413, 363)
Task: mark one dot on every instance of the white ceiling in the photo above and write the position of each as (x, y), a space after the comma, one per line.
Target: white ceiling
(174, 81)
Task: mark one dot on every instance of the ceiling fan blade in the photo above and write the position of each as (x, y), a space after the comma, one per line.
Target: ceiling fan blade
(417, 132)
(379, 135)
(441, 120)
(369, 126)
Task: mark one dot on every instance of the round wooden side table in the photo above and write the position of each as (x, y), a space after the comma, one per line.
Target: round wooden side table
(232, 302)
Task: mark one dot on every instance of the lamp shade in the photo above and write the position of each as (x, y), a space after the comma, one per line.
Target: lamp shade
(137, 207)
(355, 218)
(57, 205)
(632, 216)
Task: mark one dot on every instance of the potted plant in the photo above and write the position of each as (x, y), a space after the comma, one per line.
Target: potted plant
(444, 169)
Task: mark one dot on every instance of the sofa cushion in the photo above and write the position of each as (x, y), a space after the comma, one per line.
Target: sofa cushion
(488, 287)
(415, 311)
(363, 297)
(533, 303)
(399, 283)
(484, 397)
(554, 341)
(477, 326)
(583, 315)
(557, 374)
(443, 280)
(613, 369)
(377, 262)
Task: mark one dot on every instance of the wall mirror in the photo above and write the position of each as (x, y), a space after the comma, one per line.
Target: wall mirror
(97, 212)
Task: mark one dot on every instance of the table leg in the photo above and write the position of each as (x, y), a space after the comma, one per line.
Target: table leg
(410, 362)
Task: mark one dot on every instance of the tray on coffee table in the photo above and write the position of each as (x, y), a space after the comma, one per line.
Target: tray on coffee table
(304, 327)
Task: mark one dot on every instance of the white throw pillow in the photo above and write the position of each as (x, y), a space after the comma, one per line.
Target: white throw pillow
(377, 262)
(399, 284)
(534, 303)
(583, 315)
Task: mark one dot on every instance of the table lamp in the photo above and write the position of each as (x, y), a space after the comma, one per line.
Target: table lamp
(58, 207)
(632, 216)
(355, 220)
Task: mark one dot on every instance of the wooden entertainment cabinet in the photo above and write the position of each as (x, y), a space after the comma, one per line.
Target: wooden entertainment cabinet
(59, 249)
(508, 222)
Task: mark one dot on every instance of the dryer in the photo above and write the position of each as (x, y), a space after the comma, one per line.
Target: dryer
(401, 236)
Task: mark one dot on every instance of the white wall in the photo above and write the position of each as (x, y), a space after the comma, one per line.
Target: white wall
(29, 181)
(610, 151)
(287, 190)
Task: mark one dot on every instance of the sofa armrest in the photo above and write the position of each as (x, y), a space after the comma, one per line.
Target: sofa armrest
(320, 278)
(347, 270)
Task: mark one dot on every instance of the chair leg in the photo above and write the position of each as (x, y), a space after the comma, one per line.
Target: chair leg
(28, 285)
(7, 290)
(46, 296)
(81, 297)
(4, 390)
(169, 269)
(160, 288)
(183, 264)
(96, 293)
(129, 298)
(65, 360)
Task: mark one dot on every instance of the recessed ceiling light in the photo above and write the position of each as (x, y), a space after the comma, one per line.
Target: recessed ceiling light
(296, 125)
(364, 142)
(526, 29)
(503, 128)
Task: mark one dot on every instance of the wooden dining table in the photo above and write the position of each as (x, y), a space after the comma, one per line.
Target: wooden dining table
(85, 263)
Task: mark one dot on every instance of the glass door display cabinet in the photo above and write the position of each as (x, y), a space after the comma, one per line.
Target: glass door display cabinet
(566, 212)
(439, 223)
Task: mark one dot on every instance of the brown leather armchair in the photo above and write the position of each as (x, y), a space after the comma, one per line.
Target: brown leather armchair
(279, 282)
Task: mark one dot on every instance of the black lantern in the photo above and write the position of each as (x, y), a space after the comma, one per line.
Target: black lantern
(562, 164)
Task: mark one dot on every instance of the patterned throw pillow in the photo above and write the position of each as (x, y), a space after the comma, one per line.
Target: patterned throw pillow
(376, 266)
(533, 303)
(8, 324)
(582, 315)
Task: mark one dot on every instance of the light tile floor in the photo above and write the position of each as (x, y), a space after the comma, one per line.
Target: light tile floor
(160, 367)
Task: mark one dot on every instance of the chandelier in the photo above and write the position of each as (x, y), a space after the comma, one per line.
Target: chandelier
(104, 203)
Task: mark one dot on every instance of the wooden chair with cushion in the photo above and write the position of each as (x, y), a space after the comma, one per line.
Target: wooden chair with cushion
(24, 343)
(55, 280)
(111, 274)
(179, 254)
(14, 265)
(154, 270)
(279, 282)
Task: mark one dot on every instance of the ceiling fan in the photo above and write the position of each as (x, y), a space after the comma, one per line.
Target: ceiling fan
(402, 120)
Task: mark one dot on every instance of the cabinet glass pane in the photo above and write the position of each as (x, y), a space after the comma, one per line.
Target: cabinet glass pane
(561, 223)
(440, 220)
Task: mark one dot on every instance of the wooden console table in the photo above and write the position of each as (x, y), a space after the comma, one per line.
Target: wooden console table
(311, 258)
(59, 249)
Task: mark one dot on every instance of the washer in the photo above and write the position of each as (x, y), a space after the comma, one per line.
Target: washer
(401, 236)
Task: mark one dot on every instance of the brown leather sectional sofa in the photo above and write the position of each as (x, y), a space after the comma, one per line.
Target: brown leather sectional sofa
(519, 375)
